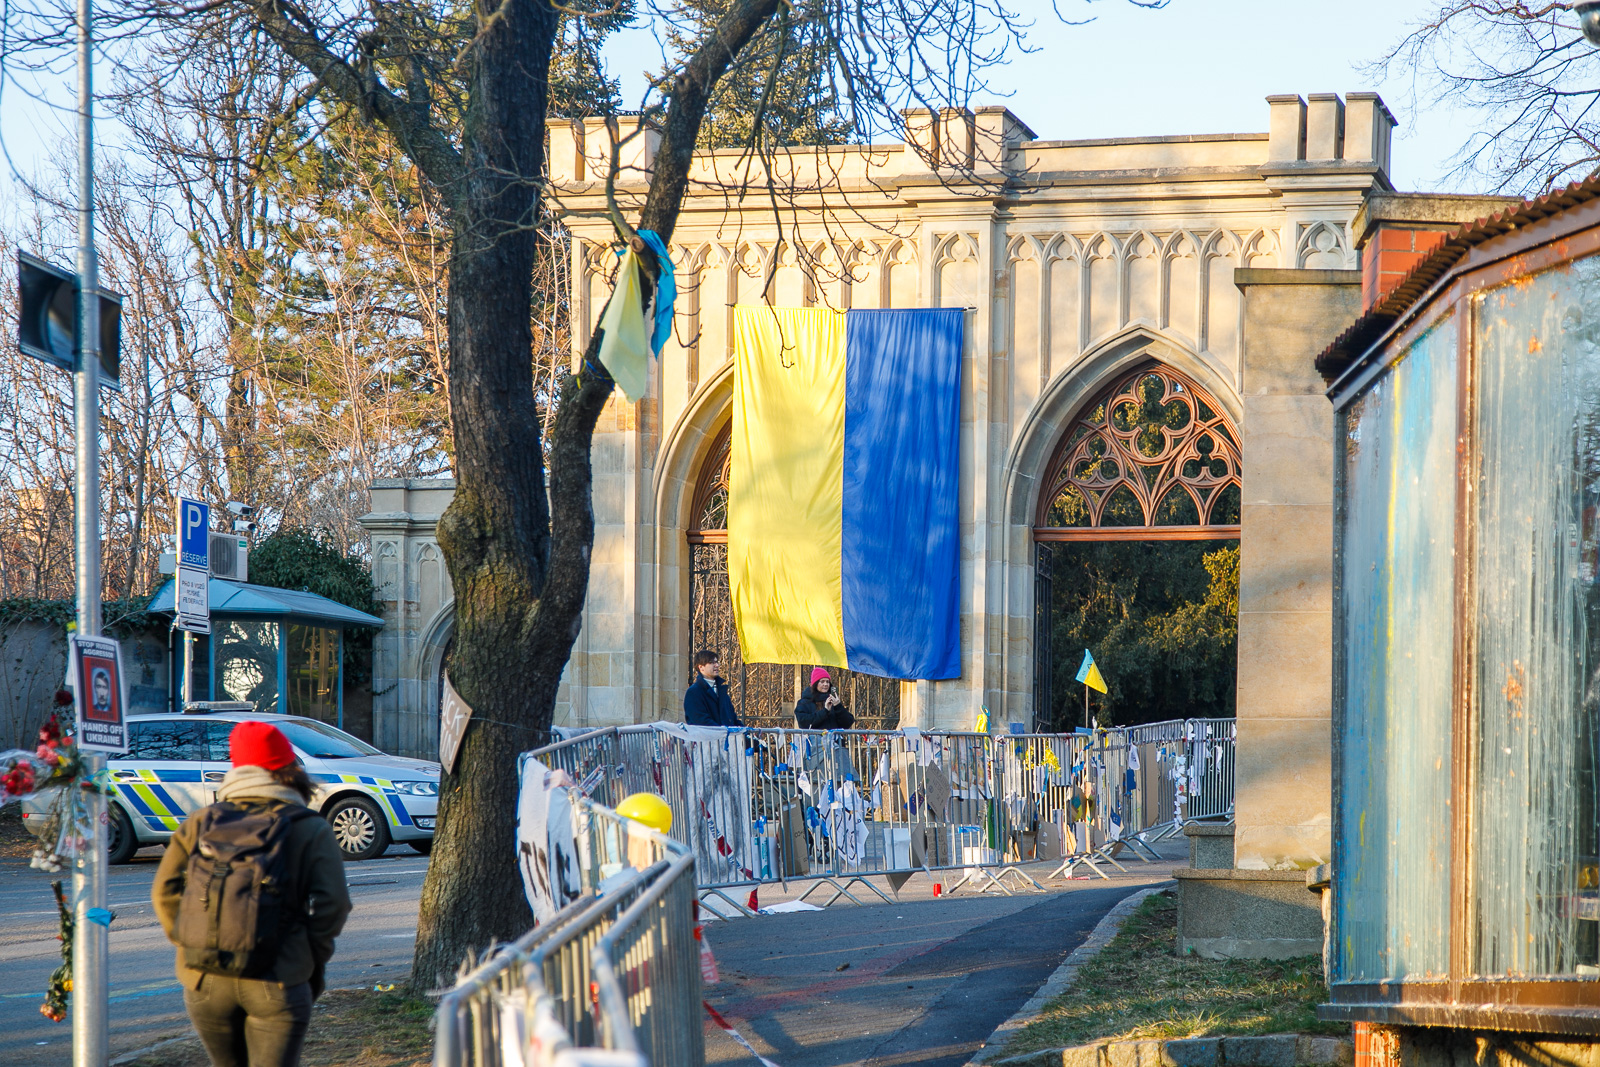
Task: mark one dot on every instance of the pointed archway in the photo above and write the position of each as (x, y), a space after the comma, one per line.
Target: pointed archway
(1151, 457)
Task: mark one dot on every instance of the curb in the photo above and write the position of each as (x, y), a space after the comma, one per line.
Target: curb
(1271, 1050)
(1063, 977)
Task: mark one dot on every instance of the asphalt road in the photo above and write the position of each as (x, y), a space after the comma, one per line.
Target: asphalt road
(146, 1002)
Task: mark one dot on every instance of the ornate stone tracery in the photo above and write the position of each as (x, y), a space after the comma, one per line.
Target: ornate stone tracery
(1153, 456)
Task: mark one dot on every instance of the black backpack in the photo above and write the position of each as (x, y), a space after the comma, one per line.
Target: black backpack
(238, 901)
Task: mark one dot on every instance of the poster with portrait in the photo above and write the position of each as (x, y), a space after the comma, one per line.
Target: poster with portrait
(101, 704)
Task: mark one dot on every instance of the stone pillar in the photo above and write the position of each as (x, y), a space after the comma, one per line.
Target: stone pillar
(1283, 787)
(413, 586)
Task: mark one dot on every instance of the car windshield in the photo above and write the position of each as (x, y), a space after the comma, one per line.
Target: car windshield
(321, 741)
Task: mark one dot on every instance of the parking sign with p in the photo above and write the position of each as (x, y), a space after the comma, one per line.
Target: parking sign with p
(194, 530)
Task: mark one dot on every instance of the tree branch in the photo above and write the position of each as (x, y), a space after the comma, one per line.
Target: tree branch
(419, 138)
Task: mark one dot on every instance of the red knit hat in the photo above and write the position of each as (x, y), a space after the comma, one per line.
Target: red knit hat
(259, 744)
(817, 674)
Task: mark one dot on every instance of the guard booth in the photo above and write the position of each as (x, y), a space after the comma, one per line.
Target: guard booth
(1466, 875)
(279, 649)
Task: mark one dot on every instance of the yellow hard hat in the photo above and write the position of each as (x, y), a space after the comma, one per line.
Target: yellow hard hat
(649, 809)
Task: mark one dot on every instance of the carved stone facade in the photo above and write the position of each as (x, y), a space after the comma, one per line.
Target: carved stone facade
(1076, 260)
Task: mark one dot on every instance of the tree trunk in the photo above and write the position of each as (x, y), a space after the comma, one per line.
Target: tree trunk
(495, 535)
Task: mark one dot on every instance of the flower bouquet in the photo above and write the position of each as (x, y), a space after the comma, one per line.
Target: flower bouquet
(57, 769)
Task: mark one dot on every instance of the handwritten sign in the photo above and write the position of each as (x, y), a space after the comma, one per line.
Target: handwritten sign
(453, 718)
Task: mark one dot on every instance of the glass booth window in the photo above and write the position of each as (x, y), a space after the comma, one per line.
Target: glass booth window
(313, 666)
(247, 662)
(1534, 880)
(1393, 844)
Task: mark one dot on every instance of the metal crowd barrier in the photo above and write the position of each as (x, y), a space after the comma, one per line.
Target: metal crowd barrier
(762, 806)
(613, 980)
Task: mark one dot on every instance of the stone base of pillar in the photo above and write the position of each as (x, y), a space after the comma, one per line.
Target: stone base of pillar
(1229, 914)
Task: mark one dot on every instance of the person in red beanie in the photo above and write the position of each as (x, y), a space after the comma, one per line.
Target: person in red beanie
(251, 890)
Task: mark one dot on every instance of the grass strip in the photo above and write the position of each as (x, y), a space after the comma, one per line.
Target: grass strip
(348, 1027)
(1139, 987)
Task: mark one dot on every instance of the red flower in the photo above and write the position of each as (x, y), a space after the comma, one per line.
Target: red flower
(63, 697)
(18, 780)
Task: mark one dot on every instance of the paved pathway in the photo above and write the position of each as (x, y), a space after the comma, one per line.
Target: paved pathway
(921, 982)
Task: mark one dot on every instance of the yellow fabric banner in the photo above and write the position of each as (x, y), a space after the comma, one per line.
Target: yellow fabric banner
(625, 346)
(785, 498)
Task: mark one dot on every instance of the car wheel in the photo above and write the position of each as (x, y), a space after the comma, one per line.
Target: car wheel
(120, 839)
(424, 845)
(359, 827)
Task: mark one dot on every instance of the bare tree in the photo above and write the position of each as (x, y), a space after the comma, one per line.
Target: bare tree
(154, 441)
(1526, 70)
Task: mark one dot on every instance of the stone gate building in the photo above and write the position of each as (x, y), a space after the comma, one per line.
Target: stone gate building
(1219, 263)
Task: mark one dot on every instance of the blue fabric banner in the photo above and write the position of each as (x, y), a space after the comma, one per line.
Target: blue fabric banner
(901, 550)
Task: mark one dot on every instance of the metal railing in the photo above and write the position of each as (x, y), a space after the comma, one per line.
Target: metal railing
(612, 980)
(758, 806)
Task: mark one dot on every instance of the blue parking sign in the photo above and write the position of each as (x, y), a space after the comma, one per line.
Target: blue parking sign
(194, 530)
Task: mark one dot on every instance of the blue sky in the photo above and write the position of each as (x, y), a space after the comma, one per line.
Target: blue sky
(1197, 66)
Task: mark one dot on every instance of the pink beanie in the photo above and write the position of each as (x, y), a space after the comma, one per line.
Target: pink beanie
(817, 674)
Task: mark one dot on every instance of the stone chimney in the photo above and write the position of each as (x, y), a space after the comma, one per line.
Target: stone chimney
(1328, 131)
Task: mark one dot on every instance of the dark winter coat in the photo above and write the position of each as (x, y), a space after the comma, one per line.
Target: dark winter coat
(812, 713)
(316, 868)
(704, 705)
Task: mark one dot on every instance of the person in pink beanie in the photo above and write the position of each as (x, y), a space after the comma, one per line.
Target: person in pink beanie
(820, 708)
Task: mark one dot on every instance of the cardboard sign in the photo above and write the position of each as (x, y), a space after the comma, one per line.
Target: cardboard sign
(101, 705)
(547, 847)
(454, 714)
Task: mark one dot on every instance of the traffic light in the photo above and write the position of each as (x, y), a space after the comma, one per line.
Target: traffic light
(47, 327)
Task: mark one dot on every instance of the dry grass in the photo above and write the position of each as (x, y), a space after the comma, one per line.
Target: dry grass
(349, 1028)
(1138, 987)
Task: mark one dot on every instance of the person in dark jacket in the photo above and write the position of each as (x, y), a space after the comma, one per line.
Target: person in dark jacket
(820, 708)
(706, 702)
(262, 1021)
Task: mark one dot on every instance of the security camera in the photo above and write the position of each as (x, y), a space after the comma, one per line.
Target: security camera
(1588, 12)
(244, 511)
(243, 526)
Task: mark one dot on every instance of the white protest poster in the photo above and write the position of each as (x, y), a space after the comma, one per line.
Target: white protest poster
(547, 851)
(566, 872)
(720, 830)
(453, 717)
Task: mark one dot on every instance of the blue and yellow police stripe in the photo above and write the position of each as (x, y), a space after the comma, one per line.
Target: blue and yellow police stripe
(150, 801)
(379, 789)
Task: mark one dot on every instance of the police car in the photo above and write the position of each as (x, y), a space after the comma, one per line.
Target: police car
(176, 762)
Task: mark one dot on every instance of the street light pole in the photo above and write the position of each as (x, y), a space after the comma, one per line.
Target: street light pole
(90, 946)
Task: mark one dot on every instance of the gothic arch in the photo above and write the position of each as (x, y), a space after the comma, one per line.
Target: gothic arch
(1152, 455)
(1069, 393)
(1028, 465)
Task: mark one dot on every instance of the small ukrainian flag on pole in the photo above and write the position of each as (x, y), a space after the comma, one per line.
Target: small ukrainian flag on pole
(1089, 675)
